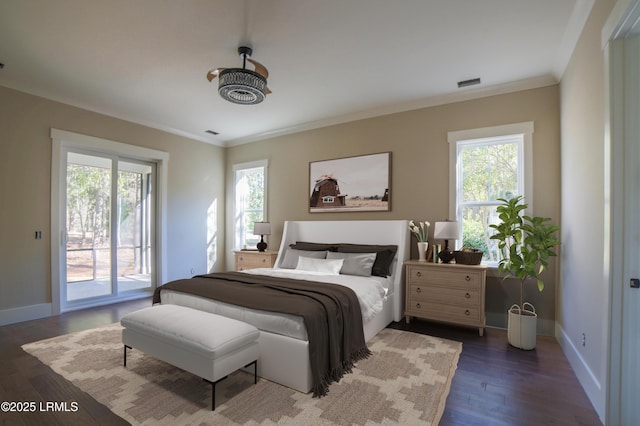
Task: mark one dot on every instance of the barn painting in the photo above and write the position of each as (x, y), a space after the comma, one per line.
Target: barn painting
(358, 183)
(326, 193)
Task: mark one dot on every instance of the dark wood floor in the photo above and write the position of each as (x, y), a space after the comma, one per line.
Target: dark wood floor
(495, 384)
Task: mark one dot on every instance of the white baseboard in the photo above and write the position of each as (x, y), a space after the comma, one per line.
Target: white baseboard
(590, 383)
(25, 313)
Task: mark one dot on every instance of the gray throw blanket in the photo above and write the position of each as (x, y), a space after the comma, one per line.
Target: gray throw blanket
(331, 315)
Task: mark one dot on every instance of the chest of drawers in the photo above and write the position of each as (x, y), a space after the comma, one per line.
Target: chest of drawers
(446, 292)
(246, 259)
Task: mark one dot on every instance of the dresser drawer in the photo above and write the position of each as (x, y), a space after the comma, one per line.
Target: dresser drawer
(451, 296)
(443, 312)
(446, 293)
(446, 278)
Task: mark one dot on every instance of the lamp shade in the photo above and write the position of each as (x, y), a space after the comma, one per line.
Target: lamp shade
(446, 231)
(262, 228)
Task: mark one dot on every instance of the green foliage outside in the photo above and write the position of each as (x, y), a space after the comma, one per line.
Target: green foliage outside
(251, 191)
(489, 171)
(89, 204)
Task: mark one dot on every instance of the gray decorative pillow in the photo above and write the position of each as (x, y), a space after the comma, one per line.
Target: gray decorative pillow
(355, 263)
(291, 256)
(384, 255)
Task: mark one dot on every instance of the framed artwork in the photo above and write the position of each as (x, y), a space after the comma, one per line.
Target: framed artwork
(351, 184)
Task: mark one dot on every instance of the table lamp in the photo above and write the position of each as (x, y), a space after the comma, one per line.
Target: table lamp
(262, 229)
(446, 231)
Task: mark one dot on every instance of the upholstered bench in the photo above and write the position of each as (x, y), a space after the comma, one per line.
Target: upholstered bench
(205, 344)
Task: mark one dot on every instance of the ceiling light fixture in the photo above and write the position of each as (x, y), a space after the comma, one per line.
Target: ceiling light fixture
(240, 85)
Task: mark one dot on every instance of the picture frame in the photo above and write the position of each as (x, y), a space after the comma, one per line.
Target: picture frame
(351, 184)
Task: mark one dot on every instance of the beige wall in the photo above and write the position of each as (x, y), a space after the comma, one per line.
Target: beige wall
(584, 292)
(420, 170)
(195, 181)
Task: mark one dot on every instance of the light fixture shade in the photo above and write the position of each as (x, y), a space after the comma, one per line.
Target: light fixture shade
(262, 228)
(446, 231)
(242, 86)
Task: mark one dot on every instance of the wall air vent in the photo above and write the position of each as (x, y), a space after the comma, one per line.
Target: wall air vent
(466, 83)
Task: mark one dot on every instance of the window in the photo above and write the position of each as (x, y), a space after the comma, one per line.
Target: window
(487, 164)
(250, 202)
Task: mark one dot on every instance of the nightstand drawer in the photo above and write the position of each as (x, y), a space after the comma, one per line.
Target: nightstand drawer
(451, 296)
(254, 259)
(443, 312)
(448, 278)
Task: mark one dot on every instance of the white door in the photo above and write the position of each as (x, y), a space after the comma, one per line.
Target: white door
(109, 227)
(630, 330)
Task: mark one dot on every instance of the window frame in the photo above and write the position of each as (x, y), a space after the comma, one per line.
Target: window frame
(487, 136)
(239, 233)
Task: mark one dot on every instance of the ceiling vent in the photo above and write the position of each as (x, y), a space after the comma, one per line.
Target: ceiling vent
(466, 83)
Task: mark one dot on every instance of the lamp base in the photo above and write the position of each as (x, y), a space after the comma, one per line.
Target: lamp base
(262, 246)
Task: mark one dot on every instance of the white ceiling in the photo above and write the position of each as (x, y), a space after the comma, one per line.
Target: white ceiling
(330, 61)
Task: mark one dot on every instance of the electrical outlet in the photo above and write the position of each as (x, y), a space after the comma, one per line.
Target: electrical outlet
(584, 340)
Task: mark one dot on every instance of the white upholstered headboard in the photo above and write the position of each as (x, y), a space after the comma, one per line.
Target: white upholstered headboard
(356, 232)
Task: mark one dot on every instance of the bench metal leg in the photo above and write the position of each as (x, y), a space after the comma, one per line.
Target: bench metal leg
(125, 354)
(213, 384)
(213, 391)
(255, 370)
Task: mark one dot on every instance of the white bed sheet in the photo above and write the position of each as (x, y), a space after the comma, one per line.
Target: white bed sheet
(371, 292)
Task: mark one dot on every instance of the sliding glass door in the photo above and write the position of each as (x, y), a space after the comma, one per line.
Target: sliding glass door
(109, 214)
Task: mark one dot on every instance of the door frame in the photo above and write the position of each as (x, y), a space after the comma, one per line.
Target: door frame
(619, 182)
(61, 141)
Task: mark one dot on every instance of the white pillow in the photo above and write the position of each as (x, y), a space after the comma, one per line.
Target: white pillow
(325, 266)
(355, 263)
(291, 257)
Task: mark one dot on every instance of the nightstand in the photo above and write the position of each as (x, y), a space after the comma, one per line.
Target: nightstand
(252, 259)
(444, 292)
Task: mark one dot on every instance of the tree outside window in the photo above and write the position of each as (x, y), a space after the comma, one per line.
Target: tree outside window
(250, 202)
(485, 169)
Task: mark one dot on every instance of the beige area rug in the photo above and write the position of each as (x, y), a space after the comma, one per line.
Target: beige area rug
(406, 381)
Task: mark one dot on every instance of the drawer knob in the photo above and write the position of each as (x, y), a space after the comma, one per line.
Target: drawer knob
(264, 260)
(241, 258)
(418, 305)
(467, 313)
(467, 296)
(418, 290)
(418, 274)
(467, 278)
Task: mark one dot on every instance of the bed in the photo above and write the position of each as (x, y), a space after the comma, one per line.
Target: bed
(284, 348)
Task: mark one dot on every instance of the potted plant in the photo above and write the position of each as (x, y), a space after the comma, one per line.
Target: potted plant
(526, 243)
